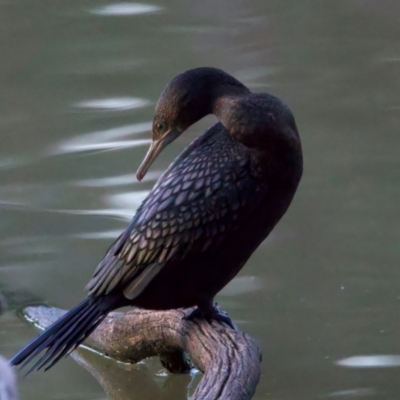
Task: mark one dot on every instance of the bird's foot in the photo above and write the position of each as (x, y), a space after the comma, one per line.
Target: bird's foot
(210, 314)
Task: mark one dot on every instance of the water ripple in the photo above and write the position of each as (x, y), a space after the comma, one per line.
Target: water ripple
(122, 9)
(129, 199)
(352, 392)
(105, 146)
(372, 361)
(125, 214)
(112, 104)
(123, 205)
(120, 180)
(103, 140)
(98, 235)
(11, 162)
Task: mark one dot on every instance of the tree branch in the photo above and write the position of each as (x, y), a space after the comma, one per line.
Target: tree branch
(229, 359)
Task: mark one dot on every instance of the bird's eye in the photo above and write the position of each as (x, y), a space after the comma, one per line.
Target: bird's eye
(161, 127)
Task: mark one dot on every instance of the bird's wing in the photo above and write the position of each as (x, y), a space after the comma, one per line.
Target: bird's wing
(206, 192)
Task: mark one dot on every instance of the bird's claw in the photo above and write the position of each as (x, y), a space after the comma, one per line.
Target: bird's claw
(214, 315)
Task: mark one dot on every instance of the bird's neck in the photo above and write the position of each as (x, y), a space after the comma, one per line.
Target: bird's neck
(225, 104)
(232, 111)
(264, 125)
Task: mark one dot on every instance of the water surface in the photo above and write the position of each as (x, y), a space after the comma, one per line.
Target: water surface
(78, 84)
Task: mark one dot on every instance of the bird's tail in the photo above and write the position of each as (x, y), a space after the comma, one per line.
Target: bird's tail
(66, 333)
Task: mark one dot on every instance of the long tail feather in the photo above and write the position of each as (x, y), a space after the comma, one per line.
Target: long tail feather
(65, 334)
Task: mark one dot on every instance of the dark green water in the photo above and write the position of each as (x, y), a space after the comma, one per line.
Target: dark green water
(78, 83)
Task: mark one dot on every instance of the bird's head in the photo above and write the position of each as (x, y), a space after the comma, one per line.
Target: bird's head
(182, 103)
(186, 99)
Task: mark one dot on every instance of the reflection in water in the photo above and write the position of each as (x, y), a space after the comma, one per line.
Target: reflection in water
(374, 361)
(39, 245)
(11, 162)
(123, 205)
(12, 204)
(71, 148)
(113, 104)
(336, 66)
(129, 199)
(122, 381)
(125, 214)
(112, 235)
(120, 180)
(121, 9)
(22, 195)
(359, 392)
(104, 139)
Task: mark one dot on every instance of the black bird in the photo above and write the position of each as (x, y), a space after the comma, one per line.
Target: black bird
(204, 217)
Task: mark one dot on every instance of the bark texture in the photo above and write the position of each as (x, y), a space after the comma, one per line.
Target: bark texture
(229, 359)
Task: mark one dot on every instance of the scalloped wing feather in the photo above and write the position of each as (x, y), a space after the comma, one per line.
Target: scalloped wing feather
(194, 203)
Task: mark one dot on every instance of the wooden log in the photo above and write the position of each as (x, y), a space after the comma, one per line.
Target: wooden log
(229, 359)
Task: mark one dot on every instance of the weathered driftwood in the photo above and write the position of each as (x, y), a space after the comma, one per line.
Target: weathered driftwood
(229, 359)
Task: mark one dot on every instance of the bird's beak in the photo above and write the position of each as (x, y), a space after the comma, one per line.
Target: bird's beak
(155, 149)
